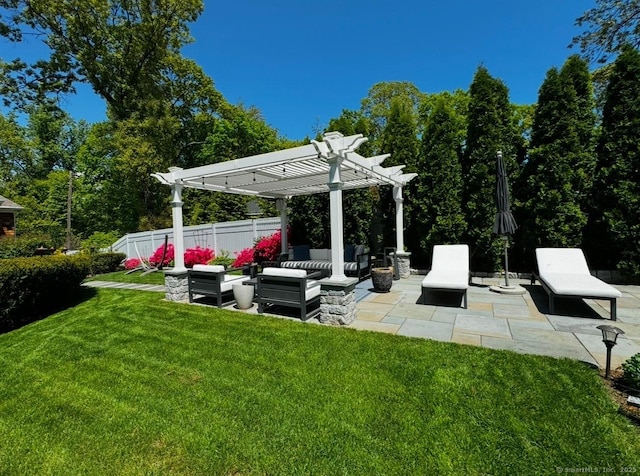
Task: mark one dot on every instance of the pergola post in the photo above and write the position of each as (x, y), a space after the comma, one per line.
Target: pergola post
(178, 237)
(281, 206)
(397, 197)
(337, 223)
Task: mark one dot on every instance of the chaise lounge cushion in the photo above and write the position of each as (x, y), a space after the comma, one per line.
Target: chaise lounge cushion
(445, 279)
(566, 273)
(449, 268)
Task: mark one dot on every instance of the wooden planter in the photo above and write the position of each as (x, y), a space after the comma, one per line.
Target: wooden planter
(382, 278)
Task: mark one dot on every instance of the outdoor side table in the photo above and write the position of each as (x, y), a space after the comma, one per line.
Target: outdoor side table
(243, 295)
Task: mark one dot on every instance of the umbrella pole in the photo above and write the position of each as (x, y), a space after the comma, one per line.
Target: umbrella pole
(506, 261)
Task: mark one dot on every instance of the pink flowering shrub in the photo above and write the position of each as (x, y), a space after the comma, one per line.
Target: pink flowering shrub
(268, 248)
(244, 258)
(156, 258)
(131, 263)
(197, 255)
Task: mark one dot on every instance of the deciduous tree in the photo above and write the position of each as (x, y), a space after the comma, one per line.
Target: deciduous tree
(609, 25)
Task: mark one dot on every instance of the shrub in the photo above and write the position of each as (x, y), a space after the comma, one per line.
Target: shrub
(631, 369)
(31, 288)
(197, 255)
(105, 262)
(132, 263)
(268, 248)
(23, 246)
(99, 241)
(156, 258)
(222, 259)
(244, 257)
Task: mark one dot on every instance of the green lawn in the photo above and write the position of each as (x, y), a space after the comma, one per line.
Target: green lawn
(156, 277)
(127, 383)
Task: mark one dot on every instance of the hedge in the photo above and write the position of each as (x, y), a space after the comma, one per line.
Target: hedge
(31, 288)
(105, 262)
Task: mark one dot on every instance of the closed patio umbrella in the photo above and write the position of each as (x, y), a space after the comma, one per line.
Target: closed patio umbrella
(504, 224)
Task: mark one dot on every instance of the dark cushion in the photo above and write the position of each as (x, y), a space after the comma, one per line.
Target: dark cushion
(301, 252)
(349, 253)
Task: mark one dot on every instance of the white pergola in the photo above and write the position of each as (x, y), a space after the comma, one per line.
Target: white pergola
(330, 165)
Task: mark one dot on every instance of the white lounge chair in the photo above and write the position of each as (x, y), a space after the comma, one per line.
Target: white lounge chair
(564, 273)
(449, 271)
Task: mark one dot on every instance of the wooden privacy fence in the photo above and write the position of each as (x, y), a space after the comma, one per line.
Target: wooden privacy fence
(226, 237)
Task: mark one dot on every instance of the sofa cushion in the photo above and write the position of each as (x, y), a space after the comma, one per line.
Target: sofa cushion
(358, 250)
(292, 273)
(230, 280)
(301, 252)
(313, 290)
(211, 268)
(314, 265)
(320, 254)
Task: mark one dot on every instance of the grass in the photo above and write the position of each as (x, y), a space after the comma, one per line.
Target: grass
(156, 277)
(127, 383)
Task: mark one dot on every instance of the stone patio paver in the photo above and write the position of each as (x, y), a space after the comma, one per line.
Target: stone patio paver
(484, 326)
(426, 329)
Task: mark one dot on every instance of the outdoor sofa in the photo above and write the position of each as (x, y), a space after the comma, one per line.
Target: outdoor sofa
(213, 281)
(356, 260)
(564, 273)
(449, 271)
(291, 288)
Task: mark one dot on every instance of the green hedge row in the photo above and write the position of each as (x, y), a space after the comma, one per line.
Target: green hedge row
(22, 246)
(31, 288)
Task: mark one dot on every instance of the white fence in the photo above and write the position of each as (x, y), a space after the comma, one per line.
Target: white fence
(226, 237)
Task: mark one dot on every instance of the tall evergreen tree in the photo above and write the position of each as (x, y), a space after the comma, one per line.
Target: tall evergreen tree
(399, 139)
(558, 177)
(437, 190)
(490, 128)
(618, 176)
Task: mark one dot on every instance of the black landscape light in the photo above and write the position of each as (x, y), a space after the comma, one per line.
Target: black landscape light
(609, 337)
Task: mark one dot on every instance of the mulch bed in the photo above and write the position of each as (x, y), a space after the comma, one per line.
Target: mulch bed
(619, 391)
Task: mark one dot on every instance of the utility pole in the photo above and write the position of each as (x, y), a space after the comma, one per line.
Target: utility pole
(69, 194)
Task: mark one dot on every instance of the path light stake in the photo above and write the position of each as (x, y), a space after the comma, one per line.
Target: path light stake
(609, 336)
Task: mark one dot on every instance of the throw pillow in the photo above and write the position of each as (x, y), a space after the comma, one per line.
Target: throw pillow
(301, 253)
(349, 253)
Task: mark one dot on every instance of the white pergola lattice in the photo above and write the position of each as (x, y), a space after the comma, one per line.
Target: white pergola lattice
(330, 165)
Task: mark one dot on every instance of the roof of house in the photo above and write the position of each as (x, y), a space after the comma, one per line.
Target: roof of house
(8, 205)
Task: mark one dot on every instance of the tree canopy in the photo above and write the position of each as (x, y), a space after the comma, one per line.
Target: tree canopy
(609, 25)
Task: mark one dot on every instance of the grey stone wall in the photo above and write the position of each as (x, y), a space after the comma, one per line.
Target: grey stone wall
(404, 264)
(176, 286)
(338, 303)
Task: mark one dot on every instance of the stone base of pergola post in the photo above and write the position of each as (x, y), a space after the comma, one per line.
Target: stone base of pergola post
(338, 301)
(176, 285)
(404, 263)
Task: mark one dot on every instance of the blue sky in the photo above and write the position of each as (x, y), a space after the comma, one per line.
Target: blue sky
(302, 62)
